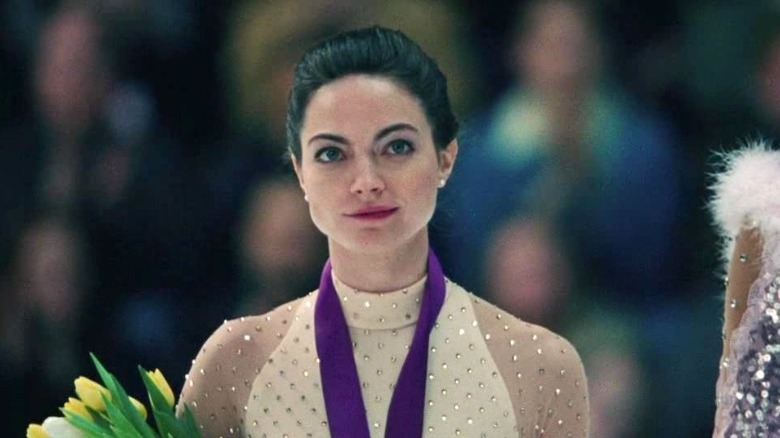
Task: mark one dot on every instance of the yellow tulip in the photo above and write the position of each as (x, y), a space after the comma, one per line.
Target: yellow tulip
(162, 384)
(36, 431)
(91, 393)
(139, 407)
(77, 407)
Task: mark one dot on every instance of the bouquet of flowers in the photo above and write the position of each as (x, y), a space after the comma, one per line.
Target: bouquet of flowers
(106, 411)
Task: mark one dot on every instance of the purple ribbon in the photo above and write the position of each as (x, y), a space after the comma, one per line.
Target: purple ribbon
(340, 382)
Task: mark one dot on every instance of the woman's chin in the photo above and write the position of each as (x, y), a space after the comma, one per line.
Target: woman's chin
(377, 241)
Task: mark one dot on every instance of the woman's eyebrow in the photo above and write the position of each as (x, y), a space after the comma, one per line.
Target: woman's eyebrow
(330, 137)
(392, 128)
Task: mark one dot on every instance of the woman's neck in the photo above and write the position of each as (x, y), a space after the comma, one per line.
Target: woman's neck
(383, 271)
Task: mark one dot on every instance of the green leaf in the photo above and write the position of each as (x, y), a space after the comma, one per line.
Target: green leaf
(124, 431)
(170, 424)
(87, 427)
(190, 427)
(121, 411)
(121, 425)
(165, 418)
(99, 418)
(157, 401)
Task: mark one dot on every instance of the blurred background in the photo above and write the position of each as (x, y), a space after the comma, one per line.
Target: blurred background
(145, 198)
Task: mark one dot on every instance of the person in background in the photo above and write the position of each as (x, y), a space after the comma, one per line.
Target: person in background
(96, 154)
(46, 159)
(529, 274)
(565, 143)
(280, 250)
(44, 334)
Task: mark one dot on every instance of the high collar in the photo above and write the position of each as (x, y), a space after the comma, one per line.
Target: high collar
(380, 311)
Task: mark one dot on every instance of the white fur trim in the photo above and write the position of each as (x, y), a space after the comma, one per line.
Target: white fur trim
(747, 193)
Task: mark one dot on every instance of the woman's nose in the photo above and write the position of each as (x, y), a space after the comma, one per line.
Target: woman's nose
(367, 180)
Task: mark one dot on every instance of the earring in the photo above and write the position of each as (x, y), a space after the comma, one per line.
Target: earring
(442, 182)
(306, 197)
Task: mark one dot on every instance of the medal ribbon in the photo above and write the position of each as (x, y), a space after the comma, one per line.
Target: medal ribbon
(340, 381)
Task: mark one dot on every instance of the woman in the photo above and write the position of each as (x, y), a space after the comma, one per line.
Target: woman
(746, 208)
(386, 346)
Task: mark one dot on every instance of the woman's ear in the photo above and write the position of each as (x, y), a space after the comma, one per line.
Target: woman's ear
(447, 158)
(297, 168)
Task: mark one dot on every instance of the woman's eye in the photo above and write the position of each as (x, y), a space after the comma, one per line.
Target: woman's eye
(400, 147)
(328, 154)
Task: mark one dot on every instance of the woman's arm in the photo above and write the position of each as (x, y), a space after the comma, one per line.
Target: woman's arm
(743, 270)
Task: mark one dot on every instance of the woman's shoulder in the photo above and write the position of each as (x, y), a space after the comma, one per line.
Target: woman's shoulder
(499, 324)
(234, 352)
(252, 334)
(514, 340)
(542, 370)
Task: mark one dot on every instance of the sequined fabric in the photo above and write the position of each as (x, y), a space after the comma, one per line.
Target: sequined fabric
(489, 374)
(749, 386)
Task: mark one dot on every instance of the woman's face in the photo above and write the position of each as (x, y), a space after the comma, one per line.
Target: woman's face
(368, 165)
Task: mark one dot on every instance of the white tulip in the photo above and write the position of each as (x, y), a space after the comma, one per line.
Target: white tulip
(58, 427)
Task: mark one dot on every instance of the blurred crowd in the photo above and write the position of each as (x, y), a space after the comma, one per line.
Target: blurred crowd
(145, 195)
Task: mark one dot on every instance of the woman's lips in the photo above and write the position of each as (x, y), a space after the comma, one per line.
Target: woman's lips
(373, 213)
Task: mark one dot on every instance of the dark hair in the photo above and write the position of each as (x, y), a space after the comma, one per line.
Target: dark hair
(372, 51)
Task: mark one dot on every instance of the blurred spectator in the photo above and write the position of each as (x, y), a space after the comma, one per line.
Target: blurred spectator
(529, 275)
(45, 159)
(49, 163)
(43, 337)
(95, 152)
(74, 148)
(281, 251)
(566, 144)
